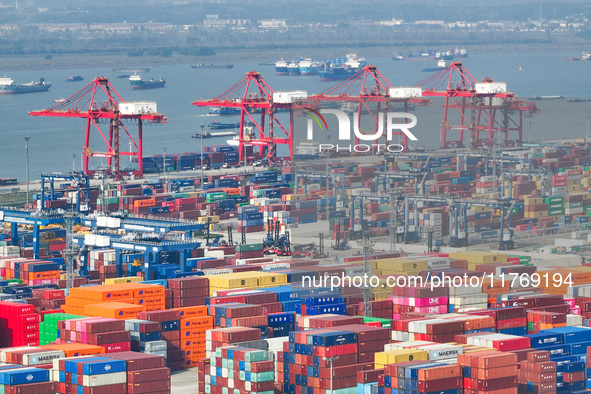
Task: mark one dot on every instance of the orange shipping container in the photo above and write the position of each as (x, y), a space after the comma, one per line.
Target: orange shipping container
(102, 293)
(114, 310)
(144, 203)
(76, 349)
(44, 275)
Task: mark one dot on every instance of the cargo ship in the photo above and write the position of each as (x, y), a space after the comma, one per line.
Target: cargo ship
(584, 57)
(546, 98)
(206, 134)
(211, 65)
(131, 70)
(293, 68)
(224, 111)
(136, 83)
(218, 126)
(74, 78)
(440, 66)
(309, 67)
(336, 71)
(431, 54)
(248, 135)
(7, 86)
(281, 67)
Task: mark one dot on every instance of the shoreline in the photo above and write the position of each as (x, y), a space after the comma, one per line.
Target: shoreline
(38, 62)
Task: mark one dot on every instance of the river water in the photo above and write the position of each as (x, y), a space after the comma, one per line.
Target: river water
(54, 140)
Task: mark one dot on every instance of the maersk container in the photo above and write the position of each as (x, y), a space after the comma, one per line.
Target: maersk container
(337, 214)
(156, 210)
(250, 216)
(252, 223)
(248, 208)
(224, 148)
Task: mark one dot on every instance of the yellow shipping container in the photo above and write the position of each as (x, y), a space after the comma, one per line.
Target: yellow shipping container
(480, 257)
(233, 280)
(534, 200)
(398, 356)
(265, 278)
(400, 265)
(214, 219)
(575, 188)
(128, 279)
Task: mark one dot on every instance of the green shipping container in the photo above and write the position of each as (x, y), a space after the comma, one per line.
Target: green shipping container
(554, 200)
(386, 323)
(213, 197)
(554, 212)
(249, 247)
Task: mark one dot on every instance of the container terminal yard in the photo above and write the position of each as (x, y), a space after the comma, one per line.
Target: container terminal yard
(458, 270)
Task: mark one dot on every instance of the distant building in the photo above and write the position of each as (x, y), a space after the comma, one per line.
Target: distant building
(273, 24)
(429, 22)
(393, 22)
(212, 22)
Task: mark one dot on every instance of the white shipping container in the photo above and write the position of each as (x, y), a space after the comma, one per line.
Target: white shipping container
(218, 254)
(289, 97)
(43, 357)
(104, 379)
(490, 87)
(138, 108)
(574, 320)
(468, 299)
(567, 243)
(488, 178)
(405, 92)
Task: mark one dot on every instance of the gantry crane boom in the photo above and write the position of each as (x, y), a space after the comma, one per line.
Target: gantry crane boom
(84, 105)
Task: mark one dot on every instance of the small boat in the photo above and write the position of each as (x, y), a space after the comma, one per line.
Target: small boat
(7, 86)
(202, 65)
(546, 98)
(584, 57)
(60, 100)
(218, 126)
(248, 135)
(440, 66)
(123, 76)
(136, 83)
(131, 70)
(206, 134)
(234, 141)
(74, 78)
(224, 111)
(579, 100)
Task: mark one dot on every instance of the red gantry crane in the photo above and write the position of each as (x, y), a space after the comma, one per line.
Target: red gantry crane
(114, 112)
(368, 92)
(483, 108)
(255, 97)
